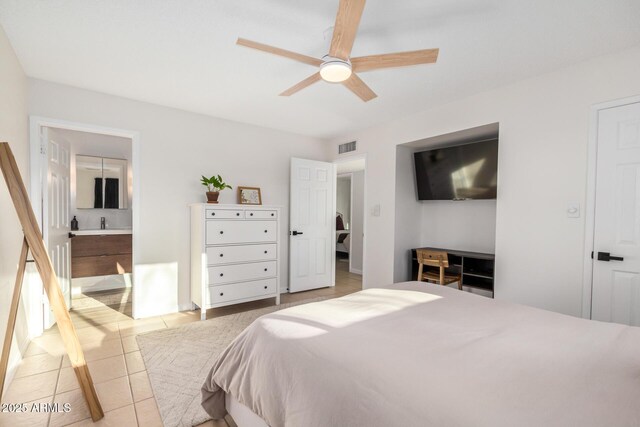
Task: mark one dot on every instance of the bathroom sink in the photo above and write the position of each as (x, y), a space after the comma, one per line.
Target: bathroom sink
(97, 231)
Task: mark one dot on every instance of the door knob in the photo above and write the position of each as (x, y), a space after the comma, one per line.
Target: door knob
(295, 233)
(606, 256)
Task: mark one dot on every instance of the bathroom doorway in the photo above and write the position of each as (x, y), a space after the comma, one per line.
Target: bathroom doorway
(85, 178)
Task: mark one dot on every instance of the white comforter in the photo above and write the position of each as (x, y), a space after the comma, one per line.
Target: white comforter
(424, 355)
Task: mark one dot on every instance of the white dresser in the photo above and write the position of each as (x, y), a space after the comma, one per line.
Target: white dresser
(235, 254)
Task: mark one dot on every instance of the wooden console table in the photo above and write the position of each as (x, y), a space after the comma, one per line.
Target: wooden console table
(477, 269)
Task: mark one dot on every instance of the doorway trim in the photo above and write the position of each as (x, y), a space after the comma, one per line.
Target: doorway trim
(590, 206)
(346, 159)
(37, 165)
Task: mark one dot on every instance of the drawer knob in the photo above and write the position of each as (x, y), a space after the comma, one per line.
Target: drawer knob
(265, 231)
(265, 287)
(251, 214)
(265, 252)
(213, 214)
(265, 269)
(221, 232)
(237, 213)
(272, 214)
(221, 255)
(221, 274)
(221, 293)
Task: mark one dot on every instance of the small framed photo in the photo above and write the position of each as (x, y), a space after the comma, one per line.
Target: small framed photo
(249, 196)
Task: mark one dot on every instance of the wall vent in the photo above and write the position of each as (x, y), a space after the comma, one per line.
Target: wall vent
(347, 147)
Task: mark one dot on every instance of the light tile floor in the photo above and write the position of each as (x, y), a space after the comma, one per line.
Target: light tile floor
(107, 335)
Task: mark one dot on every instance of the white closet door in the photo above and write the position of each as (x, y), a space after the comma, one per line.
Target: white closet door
(312, 225)
(616, 270)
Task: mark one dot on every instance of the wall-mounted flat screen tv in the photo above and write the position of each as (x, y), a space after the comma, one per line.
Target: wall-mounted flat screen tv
(461, 172)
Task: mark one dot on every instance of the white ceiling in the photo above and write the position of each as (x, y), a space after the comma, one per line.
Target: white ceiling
(182, 53)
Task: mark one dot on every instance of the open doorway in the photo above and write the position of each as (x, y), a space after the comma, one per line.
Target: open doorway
(349, 251)
(83, 178)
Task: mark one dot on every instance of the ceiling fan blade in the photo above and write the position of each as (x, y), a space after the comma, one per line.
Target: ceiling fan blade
(303, 84)
(345, 28)
(391, 60)
(280, 52)
(357, 86)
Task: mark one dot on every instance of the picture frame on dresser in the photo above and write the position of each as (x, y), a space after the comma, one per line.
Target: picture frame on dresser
(235, 254)
(249, 196)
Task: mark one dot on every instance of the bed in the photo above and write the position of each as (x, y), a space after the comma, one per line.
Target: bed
(343, 237)
(343, 241)
(416, 354)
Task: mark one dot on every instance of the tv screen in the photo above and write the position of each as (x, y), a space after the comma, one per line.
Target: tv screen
(468, 171)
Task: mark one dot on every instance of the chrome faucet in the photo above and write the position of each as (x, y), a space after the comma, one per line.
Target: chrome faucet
(103, 224)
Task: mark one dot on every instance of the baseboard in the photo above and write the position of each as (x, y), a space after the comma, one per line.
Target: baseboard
(355, 271)
(186, 307)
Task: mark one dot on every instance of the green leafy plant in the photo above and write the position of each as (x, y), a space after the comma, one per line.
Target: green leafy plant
(215, 183)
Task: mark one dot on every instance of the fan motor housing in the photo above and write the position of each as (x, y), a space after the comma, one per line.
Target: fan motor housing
(335, 70)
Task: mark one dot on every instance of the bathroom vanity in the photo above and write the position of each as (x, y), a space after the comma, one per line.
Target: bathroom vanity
(101, 252)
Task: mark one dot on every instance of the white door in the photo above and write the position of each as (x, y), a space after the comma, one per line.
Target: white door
(616, 266)
(312, 225)
(56, 222)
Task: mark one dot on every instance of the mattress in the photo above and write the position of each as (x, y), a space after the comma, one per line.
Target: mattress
(416, 354)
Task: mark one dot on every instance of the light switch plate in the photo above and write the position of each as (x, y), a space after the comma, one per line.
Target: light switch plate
(573, 210)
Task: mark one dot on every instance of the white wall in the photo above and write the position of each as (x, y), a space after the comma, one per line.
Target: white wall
(357, 222)
(544, 129)
(176, 147)
(408, 214)
(343, 198)
(91, 144)
(13, 129)
(468, 225)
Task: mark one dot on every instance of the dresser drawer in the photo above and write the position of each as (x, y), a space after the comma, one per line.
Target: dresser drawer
(230, 254)
(255, 214)
(238, 291)
(241, 272)
(224, 214)
(226, 231)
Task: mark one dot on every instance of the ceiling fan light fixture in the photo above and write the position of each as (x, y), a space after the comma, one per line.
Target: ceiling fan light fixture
(335, 70)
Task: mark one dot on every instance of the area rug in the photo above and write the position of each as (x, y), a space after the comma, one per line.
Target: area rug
(179, 359)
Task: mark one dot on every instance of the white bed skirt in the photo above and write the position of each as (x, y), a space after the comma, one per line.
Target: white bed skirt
(243, 416)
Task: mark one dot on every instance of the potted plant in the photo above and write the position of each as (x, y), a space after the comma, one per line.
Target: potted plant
(214, 185)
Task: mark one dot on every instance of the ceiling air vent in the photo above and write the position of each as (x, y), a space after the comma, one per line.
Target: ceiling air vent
(347, 147)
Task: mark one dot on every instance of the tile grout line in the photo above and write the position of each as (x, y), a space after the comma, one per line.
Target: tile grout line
(55, 388)
(133, 399)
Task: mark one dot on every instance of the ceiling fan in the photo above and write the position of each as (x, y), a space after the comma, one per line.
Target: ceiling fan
(337, 66)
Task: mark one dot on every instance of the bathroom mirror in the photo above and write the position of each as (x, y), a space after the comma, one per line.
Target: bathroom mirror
(101, 183)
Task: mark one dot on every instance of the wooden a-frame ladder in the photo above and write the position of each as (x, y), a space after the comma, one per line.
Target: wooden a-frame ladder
(33, 242)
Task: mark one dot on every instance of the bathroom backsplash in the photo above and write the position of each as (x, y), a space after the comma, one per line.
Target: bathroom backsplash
(89, 219)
